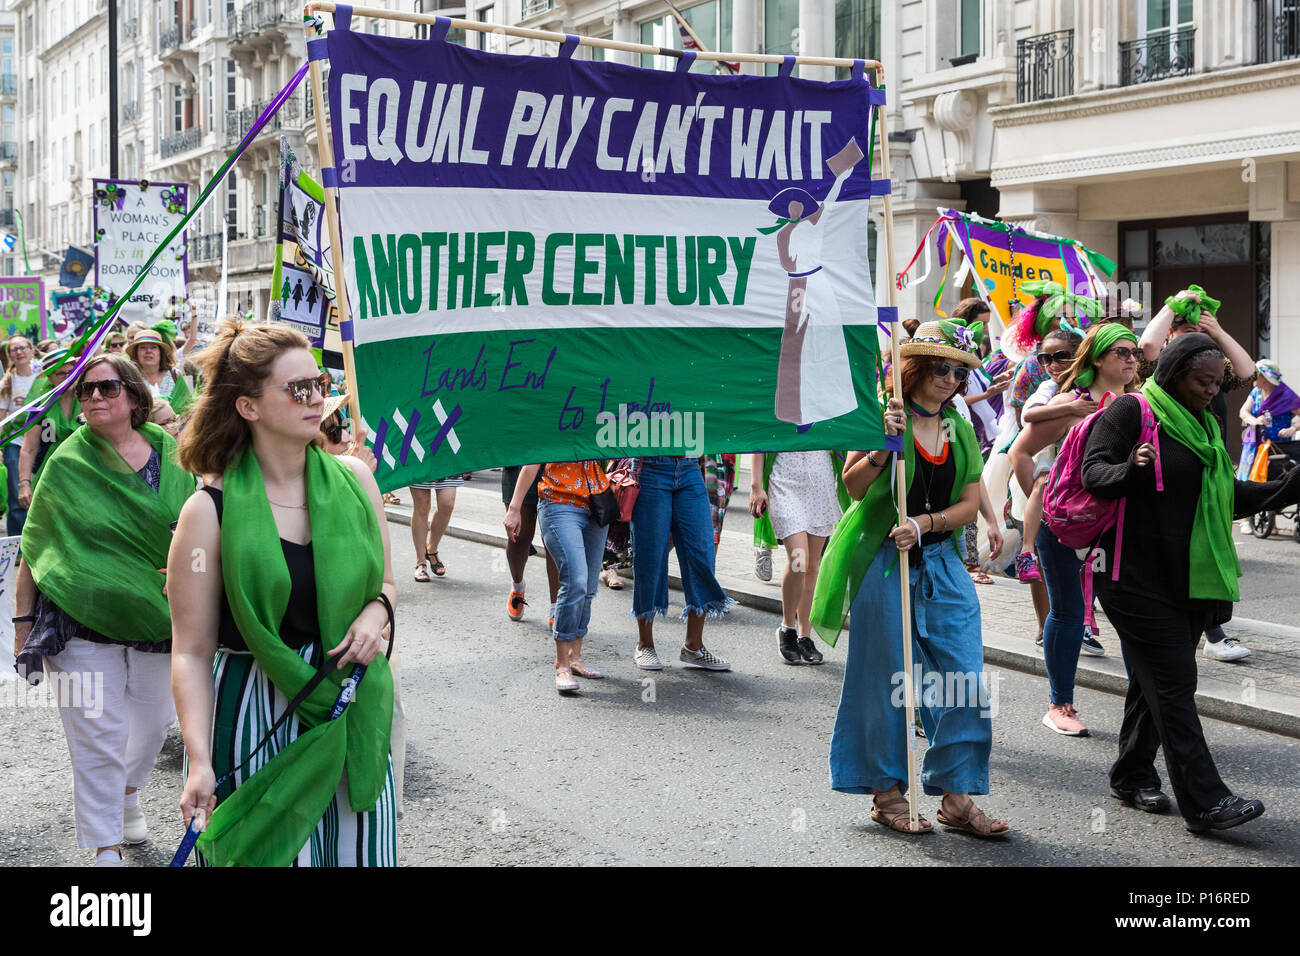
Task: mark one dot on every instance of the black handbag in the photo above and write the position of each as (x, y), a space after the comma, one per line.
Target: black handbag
(603, 504)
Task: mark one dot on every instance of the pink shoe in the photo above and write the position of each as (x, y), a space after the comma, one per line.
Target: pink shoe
(1027, 568)
(1063, 719)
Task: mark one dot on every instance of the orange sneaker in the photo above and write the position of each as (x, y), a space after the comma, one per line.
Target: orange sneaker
(515, 604)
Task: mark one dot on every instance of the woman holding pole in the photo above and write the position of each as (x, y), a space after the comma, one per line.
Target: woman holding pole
(943, 464)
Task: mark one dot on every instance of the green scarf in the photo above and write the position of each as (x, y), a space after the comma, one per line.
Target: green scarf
(1189, 310)
(268, 819)
(182, 396)
(97, 534)
(1057, 297)
(1107, 335)
(764, 536)
(867, 523)
(1214, 566)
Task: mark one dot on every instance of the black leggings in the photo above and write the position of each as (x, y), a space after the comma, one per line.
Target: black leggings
(1159, 642)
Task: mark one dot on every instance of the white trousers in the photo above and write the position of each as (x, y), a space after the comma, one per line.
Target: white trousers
(116, 706)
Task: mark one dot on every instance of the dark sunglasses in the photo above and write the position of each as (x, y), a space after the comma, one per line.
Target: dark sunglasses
(334, 432)
(117, 344)
(300, 388)
(1059, 357)
(108, 387)
(1124, 353)
(959, 372)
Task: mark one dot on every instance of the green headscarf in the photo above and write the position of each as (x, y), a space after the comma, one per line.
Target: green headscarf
(1189, 310)
(1214, 567)
(97, 534)
(268, 819)
(1107, 335)
(866, 525)
(1057, 297)
(764, 536)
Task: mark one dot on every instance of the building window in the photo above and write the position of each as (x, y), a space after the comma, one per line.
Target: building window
(857, 32)
(178, 108)
(969, 41)
(486, 41)
(76, 85)
(90, 76)
(711, 22)
(63, 88)
(230, 86)
(780, 28)
(208, 100)
(91, 158)
(232, 206)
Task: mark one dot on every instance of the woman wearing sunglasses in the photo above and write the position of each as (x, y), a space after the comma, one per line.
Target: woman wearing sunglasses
(90, 600)
(943, 464)
(56, 425)
(296, 575)
(1105, 364)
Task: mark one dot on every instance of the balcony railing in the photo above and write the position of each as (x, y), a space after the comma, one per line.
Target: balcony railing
(239, 122)
(205, 248)
(8, 84)
(9, 151)
(169, 39)
(1045, 66)
(533, 7)
(130, 112)
(1277, 30)
(1157, 56)
(129, 29)
(181, 142)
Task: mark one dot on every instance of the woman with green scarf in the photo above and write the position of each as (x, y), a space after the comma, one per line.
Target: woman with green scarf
(89, 607)
(279, 568)
(860, 571)
(57, 424)
(1178, 574)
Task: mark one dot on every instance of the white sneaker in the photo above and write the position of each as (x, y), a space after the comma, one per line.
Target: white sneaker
(109, 858)
(702, 658)
(1228, 649)
(647, 659)
(763, 564)
(134, 828)
(1244, 527)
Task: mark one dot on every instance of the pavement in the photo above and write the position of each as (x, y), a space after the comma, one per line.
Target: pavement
(1261, 691)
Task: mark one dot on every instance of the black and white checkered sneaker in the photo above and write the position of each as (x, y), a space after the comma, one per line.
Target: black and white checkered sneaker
(702, 658)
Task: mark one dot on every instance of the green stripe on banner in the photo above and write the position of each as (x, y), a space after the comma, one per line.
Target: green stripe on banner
(504, 397)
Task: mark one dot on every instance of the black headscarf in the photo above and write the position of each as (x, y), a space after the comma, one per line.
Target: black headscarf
(1179, 354)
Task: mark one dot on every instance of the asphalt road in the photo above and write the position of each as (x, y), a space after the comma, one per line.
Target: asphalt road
(693, 768)
(1270, 569)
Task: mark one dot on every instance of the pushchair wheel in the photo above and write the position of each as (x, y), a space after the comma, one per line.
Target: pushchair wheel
(1262, 523)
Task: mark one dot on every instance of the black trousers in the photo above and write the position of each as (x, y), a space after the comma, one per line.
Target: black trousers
(1159, 642)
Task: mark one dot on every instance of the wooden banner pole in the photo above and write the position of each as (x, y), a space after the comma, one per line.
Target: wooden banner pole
(325, 157)
(900, 478)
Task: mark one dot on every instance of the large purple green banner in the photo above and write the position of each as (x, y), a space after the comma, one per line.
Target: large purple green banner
(549, 259)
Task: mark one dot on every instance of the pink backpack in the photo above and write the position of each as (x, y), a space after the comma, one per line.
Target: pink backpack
(1077, 517)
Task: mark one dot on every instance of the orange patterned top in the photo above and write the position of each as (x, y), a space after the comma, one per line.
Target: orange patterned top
(572, 482)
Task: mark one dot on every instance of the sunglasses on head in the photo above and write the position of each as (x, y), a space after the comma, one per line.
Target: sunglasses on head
(300, 389)
(1123, 352)
(959, 372)
(108, 387)
(1059, 357)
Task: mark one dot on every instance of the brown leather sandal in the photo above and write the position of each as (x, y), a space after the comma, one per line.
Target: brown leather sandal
(975, 823)
(895, 815)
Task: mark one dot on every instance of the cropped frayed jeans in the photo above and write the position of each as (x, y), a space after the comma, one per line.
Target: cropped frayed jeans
(673, 502)
(577, 543)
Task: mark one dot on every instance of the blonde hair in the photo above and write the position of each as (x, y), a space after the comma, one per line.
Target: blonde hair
(233, 366)
(7, 383)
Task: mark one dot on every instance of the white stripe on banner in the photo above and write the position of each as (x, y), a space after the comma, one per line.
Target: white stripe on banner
(389, 460)
(424, 218)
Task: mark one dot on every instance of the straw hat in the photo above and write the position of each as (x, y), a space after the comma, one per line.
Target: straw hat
(150, 337)
(333, 404)
(946, 340)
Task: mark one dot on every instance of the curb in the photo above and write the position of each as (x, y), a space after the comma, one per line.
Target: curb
(1223, 702)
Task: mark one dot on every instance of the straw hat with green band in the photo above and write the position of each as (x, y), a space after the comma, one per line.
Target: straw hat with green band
(150, 337)
(1107, 336)
(946, 340)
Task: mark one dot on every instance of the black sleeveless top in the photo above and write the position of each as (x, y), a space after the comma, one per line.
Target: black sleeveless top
(301, 625)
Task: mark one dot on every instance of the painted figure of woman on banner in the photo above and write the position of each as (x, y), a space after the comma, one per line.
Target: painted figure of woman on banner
(813, 380)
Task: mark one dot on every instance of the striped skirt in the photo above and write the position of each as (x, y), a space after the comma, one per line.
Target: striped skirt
(246, 706)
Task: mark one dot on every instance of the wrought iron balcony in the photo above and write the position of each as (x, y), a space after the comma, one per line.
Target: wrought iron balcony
(205, 248)
(1045, 66)
(239, 122)
(169, 39)
(1157, 56)
(1277, 30)
(129, 29)
(181, 142)
(532, 8)
(130, 112)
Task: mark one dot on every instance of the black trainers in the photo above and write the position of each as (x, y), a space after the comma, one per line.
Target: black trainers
(809, 651)
(1093, 646)
(787, 642)
(1227, 813)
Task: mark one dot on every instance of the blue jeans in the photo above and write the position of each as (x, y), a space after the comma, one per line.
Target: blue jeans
(869, 745)
(577, 544)
(17, 515)
(1063, 629)
(673, 502)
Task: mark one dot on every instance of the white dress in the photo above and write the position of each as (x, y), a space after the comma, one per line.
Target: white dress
(801, 494)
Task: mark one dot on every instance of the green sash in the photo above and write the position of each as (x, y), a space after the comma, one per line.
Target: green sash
(97, 534)
(182, 396)
(1214, 566)
(268, 819)
(764, 536)
(867, 523)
